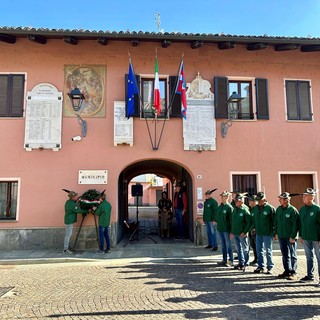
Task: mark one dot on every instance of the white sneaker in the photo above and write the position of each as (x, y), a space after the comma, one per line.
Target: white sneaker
(230, 263)
(67, 252)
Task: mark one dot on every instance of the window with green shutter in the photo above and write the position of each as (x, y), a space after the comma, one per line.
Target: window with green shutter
(12, 93)
(298, 100)
(247, 109)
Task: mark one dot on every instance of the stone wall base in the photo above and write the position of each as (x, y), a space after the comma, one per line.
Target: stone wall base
(51, 238)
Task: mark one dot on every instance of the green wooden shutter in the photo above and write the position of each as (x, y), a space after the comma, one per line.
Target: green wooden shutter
(136, 112)
(304, 100)
(262, 98)
(12, 95)
(221, 97)
(17, 95)
(298, 100)
(4, 83)
(174, 98)
(291, 95)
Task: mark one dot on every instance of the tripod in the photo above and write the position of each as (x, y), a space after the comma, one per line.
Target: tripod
(95, 222)
(137, 230)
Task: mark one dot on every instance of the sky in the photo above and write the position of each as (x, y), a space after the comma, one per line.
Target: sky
(288, 18)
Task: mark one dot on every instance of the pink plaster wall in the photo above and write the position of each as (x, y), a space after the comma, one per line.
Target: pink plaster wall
(264, 146)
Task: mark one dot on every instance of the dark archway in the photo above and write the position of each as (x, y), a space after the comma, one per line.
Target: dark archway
(171, 170)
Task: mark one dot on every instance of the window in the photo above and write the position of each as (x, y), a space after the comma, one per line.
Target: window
(147, 88)
(169, 102)
(245, 105)
(254, 93)
(298, 100)
(8, 200)
(296, 183)
(11, 95)
(245, 183)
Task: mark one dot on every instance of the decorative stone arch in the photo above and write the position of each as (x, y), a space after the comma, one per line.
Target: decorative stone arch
(162, 167)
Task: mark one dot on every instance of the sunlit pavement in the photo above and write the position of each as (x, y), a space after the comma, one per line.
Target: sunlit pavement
(174, 280)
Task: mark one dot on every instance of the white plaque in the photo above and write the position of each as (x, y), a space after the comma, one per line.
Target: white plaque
(199, 193)
(123, 127)
(199, 130)
(93, 177)
(43, 118)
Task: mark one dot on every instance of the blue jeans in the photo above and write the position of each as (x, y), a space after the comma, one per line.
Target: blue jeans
(104, 234)
(289, 255)
(179, 219)
(242, 247)
(265, 241)
(311, 249)
(69, 228)
(211, 233)
(226, 246)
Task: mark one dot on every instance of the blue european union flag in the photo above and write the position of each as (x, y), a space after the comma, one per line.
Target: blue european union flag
(132, 89)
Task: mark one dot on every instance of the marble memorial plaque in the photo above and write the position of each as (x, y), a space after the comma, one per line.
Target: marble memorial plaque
(123, 127)
(43, 120)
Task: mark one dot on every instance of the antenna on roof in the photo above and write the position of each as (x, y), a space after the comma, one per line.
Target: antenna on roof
(158, 21)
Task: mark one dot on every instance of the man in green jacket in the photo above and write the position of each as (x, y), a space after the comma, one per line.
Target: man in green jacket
(104, 213)
(240, 226)
(209, 212)
(263, 219)
(286, 226)
(71, 209)
(223, 219)
(309, 232)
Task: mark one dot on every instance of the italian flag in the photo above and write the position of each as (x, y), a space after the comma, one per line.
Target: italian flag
(156, 95)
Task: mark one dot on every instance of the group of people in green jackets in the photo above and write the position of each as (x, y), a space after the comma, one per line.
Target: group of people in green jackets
(102, 209)
(258, 224)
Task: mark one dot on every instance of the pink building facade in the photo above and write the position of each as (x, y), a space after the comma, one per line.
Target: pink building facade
(272, 145)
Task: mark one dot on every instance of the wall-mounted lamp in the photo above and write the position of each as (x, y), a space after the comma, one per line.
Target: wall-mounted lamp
(76, 98)
(233, 109)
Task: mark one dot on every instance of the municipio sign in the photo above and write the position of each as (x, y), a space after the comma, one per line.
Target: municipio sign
(93, 177)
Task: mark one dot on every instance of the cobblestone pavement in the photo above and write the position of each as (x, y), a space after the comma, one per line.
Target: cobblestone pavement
(193, 288)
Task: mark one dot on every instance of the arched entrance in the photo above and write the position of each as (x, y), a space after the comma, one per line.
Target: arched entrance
(172, 171)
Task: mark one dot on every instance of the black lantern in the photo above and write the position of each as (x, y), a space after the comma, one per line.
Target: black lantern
(233, 105)
(76, 98)
(233, 109)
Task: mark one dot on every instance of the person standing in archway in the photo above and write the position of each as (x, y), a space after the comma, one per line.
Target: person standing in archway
(164, 206)
(180, 208)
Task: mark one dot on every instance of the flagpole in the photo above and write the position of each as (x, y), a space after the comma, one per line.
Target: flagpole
(141, 103)
(176, 84)
(171, 100)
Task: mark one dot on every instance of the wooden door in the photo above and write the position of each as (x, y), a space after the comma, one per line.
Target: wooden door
(296, 183)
